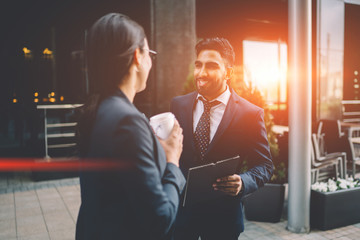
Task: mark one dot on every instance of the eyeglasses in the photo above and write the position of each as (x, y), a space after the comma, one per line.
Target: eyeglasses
(152, 53)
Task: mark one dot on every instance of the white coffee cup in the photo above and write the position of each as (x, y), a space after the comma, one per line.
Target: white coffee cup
(162, 124)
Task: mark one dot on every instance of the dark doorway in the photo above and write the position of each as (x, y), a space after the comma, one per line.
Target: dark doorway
(352, 53)
(351, 106)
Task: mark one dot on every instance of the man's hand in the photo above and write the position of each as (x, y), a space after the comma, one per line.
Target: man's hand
(230, 185)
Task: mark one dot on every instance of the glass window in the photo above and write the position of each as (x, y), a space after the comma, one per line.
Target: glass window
(330, 57)
(265, 65)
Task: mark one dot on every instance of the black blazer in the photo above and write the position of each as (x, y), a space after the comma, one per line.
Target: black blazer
(136, 203)
(240, 132)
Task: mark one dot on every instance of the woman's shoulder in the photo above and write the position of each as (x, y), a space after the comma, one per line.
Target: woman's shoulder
(117, 105)
(115, 111)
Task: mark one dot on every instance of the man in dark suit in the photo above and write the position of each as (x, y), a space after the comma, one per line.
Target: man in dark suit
(218, 124)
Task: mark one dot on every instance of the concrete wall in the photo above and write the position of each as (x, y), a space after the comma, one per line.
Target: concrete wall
(173, 36)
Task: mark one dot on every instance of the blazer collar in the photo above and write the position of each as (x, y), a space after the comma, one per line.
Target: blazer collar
(189, 115)
(120, 93)
(226, 119)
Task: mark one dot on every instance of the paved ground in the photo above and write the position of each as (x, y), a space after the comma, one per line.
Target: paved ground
(48, 210)
(41, 210)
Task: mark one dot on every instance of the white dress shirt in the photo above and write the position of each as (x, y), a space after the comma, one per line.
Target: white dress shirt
(216, 112)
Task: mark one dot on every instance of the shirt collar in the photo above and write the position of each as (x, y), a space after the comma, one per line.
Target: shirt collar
(223, 98)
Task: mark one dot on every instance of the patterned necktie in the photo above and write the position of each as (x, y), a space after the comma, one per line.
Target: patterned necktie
(202, 132)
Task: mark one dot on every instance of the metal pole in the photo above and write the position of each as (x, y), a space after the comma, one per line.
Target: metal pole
(45, 135)
(299, 115)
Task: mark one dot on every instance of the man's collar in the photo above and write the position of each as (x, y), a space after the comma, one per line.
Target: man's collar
(223, 98)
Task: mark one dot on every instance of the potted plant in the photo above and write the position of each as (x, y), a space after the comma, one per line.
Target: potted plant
(335, 203)
(267, 203)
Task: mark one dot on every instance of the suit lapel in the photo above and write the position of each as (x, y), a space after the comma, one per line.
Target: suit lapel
(229, 114)
(188, 113)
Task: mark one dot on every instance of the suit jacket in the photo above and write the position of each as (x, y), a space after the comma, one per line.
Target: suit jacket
(136, 203)
(240, 132)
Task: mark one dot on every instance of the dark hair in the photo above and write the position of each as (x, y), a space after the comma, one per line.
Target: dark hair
(110, 45)
(221, 45)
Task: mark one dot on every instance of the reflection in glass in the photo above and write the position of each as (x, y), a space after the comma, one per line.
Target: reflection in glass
(330, 57)
(265, 65)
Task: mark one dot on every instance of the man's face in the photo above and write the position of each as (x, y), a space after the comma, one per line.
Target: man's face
(210, 74)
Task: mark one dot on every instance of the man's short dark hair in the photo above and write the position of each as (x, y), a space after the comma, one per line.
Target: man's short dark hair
(218, 44)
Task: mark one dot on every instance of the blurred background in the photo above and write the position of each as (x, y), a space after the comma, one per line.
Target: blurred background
(42, 60)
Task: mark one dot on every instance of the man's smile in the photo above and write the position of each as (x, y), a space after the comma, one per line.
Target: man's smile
(202, 82)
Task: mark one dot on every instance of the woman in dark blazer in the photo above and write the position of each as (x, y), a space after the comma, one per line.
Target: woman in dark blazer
(141, 201)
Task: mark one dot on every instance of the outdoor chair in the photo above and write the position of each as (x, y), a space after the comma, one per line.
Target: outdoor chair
(318, 162)
(341, 156)
(323, 155)
(355, 156)
(320, 137)
(332, 136)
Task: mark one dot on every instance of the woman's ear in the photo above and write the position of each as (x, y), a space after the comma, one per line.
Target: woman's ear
(137, 59)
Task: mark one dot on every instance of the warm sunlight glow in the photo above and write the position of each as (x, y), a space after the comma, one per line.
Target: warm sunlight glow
(265, 65)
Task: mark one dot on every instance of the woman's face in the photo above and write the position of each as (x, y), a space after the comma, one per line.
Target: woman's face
(144, 67)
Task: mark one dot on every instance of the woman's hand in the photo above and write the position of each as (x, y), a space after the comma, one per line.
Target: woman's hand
(173, 145)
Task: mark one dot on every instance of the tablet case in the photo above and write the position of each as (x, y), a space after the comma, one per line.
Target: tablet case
(201, 178)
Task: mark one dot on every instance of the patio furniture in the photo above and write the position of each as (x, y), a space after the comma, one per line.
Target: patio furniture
(355, 153)
(330, 156)
(318, 162)
(320, 137)
(333, 142)
(333, 137)
(351, 129)
(351, 111)
(69, 126)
